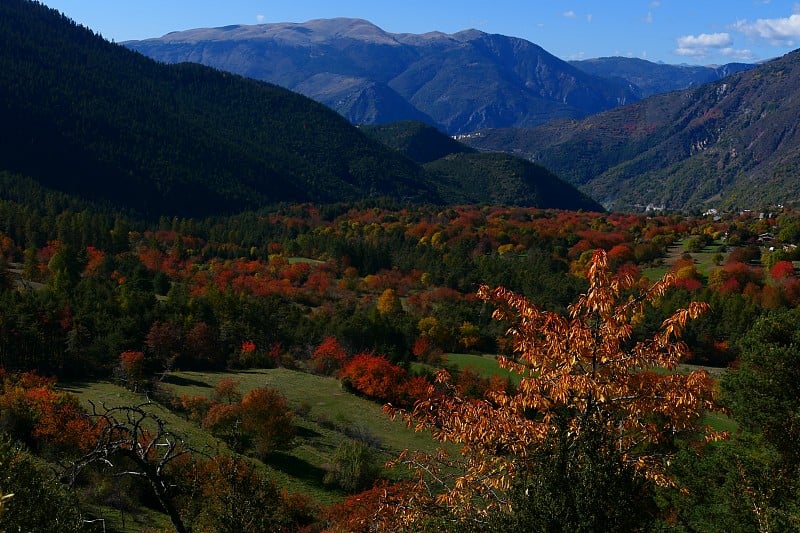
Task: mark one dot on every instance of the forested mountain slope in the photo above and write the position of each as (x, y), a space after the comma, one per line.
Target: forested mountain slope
(460, 172)
(731, 143)
(93, 119)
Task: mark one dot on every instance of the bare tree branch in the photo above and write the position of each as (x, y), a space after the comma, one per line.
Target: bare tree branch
(140, 436)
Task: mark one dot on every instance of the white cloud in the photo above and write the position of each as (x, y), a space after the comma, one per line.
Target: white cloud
(705, 40)
(783, 31)
(648, 19)
(260, 18)
(589, 17)
(655, 4)
(720, 43)
(699, 45)
(569, 14)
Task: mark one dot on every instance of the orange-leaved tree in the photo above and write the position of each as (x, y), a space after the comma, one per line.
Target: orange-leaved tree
(590, 390)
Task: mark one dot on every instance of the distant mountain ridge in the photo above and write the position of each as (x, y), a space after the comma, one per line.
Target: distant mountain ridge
(656, 78)
(92, 119)
(733, 143)
(461, 82)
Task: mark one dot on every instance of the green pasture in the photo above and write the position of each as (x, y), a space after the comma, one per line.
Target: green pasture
(486, 365)
(293, 260)
(325, 416)
(704, 260)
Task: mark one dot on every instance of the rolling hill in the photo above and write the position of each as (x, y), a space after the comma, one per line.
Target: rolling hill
(733, 143)
(98, 121)
(460, 172)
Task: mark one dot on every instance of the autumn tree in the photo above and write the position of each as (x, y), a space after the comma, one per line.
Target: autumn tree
(202, 350)
(389, 303)
(165, 342)
(373, 376)
(329, 357)
(267, 419)
(33, 411)
(228, 494)
(132, 367)
(227, 391)
(588, 391)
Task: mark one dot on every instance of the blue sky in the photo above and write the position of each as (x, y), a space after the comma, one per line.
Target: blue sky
(671, 31)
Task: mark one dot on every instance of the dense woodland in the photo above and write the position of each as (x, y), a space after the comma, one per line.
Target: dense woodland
(564, 370)
(375, 295)
(188, 140)
(691, 149)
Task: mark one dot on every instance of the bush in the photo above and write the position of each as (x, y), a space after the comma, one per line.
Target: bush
(267, 419)
(39, 502)
(355, 467)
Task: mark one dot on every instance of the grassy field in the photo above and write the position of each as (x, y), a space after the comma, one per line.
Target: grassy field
(293, 260)
(485, 365)
(325, 417)
(704, 260)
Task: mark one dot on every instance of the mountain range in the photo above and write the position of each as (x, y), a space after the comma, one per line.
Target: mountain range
(655, 78)
(460, 83)
(93, 119)
(731, 143)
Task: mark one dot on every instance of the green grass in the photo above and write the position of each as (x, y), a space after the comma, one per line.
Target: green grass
(107, 394)
(332, 416)
(719, 421)
(293, 260)
(111, 395)
(485, 365)
(327, 416)
(703, 260)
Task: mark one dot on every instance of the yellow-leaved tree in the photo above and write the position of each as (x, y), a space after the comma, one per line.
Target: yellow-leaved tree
(594, 416)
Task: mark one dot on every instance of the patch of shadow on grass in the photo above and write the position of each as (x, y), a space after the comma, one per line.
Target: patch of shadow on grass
(296, 467)
(72, 386)
(185, 382)
(307, 433)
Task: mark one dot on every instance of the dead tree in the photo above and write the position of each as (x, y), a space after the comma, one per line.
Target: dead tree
(133, 433)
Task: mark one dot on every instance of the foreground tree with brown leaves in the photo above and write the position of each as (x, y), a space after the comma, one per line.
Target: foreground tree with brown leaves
(593, 404)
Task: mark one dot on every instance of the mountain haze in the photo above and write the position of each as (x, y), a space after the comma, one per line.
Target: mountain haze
(460, 82)
(93, 119)
(733, 143)
(656, 78)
